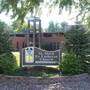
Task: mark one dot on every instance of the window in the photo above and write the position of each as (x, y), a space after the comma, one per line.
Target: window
(58, 45)
(23, 45)
(54, 46)
(31, 35)
(17, 47)
(47, 35)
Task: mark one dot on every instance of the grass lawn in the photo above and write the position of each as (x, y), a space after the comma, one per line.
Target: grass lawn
(17, 55)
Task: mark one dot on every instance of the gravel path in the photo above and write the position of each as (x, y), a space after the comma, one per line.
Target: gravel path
(79, 82)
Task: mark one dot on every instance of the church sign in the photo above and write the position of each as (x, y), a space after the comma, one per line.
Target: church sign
(39, 57)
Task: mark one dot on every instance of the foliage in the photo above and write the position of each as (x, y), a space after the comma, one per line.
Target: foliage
(51, 27)
(71, 64)
(7, 63)
(55, 27)
(4, 39)
(64, 26)
(21, 8)
(83, 7)
(77, 41)
(18, 26)
(40, 71)
(4, 26)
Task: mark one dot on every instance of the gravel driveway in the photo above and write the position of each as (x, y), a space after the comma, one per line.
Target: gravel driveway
(78, 82)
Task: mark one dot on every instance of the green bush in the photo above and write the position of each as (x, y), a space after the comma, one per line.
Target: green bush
(77, 40)
(5, 45)
(71, 65)
(36, 71)
(7, 63)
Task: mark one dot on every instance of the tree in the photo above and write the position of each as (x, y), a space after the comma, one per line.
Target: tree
(54, 27)
(51, 27)
(83, 7)
(21, 8)
(77, 41)
(4, 39)
(17, 26)
(64, 26)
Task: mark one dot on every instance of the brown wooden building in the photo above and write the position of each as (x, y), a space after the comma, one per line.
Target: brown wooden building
(49, 41)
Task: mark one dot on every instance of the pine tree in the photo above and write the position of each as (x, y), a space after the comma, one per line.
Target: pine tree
(77, 41)
(4, 39)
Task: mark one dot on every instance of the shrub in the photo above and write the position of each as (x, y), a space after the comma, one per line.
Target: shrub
(7, 63)
(5, 45)
(71, 64)
(36, 71)
(77, 40)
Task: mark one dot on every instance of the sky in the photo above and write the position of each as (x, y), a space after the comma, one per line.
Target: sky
(56, 17)
(47, 17)
(5, 18)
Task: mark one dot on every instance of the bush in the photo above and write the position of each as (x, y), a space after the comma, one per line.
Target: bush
(77, 40)
(5, 45)
(36, 71)
(7, 63)
(71, 65)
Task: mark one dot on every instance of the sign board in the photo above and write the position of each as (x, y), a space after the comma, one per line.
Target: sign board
(39, 57)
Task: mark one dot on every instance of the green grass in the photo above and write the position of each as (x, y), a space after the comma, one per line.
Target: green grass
(17, 55)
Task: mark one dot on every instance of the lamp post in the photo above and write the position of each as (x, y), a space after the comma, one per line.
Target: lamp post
(35, 24)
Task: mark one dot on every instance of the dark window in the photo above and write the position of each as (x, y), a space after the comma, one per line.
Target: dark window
(17, 47)
(47, 35)
(58, 45)
(61, 34)
(20, 35)
(23, 45)
(31, 35)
